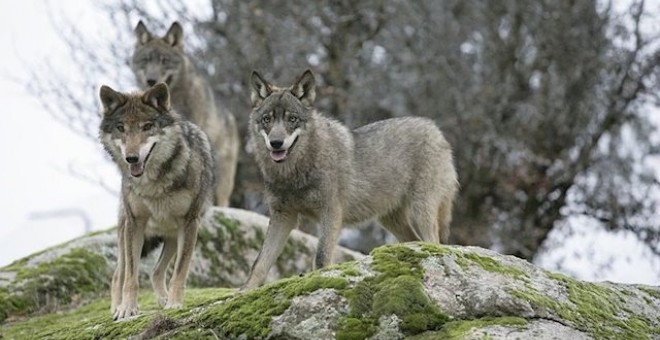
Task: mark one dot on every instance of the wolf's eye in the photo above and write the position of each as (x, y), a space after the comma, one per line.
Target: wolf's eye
(120, 128)
(165, 60)
(293, 119)
(265, 119)
(147, 126)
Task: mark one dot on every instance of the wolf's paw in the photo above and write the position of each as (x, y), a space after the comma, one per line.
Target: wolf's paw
(124, 311)
(173, 305)
(114, 305)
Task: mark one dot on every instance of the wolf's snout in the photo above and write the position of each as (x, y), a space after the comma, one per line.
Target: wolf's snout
(132, 159)
(151, 82)
(277, 143)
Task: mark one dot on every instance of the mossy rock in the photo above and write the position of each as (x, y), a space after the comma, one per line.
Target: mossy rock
(71, 273)
(417, 291)
(53, 285)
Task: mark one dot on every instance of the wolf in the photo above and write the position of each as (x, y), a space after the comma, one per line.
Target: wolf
(162, 59)
(168, 174)
(399, 171)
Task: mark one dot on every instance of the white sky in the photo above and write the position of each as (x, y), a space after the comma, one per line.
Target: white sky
(36, 151)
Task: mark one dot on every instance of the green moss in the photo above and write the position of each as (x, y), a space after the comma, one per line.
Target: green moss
(396, 289)
(405, 297)
(12, 304)
(654, 292)
(18, 264)
(94, 321)
(225, 237)
(536, 300)
(347, 269)
(259, 237)
(355, 329)
(206, 241)
(351, 272)
(232, 240)
(190, 333)
(250, 313)
(465, 260)
(595, 309)
(396, 260)
(494, 266)
(292, 251)
(461, 329)
(50, 285)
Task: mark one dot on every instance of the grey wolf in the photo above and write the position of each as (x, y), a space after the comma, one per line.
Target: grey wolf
(399, 171)
(167, 170)
(162, 59)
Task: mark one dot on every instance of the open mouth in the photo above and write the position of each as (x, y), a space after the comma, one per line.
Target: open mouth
(280, 155)
(168, 80)
(137, 169)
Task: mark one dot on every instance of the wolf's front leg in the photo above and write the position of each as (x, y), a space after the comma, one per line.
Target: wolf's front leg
(158, 277)
(279, 228)
(133, 242)
(118, 276)
(186, 239)
(331, 218)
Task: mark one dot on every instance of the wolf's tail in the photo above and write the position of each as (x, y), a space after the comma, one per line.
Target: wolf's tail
(444, 220)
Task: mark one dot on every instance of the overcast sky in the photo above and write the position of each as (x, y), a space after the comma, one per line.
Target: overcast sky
(37, 152)
(42, 203)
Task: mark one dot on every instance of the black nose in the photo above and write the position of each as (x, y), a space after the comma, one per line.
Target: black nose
(151, 82)
(276, 144)
(132, 159)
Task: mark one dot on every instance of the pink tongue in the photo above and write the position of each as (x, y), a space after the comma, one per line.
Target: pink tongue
(136, 169)
(278, 155)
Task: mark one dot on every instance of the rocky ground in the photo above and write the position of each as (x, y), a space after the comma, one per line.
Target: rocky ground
(416, 291)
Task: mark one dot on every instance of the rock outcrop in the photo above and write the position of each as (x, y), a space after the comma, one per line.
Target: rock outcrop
(228, 243)
(415, 290)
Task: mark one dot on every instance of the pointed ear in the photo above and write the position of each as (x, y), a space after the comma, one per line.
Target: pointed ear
(174, 35)
(110, 99)
(260, 89)
(158, 96)
(305, 88)
(142, 34)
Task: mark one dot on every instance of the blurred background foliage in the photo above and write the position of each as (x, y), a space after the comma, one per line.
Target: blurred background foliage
(548, 104)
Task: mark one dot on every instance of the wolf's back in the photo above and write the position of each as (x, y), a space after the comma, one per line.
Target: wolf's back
(399, 144)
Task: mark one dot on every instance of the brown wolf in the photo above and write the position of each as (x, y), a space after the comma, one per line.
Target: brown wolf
(399, 171)
(162, 59)
(167, 178)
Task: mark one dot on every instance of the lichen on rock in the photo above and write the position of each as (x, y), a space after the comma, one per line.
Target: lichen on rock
(53, 285)
(411, 290)
(67, 274)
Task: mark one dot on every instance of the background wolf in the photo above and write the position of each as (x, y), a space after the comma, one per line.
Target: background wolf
(167, 178)
(163, 60)
(399, 170)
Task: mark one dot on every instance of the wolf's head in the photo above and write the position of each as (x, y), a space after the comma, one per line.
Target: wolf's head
(280, 115)
(158, 60)
(134, 124)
